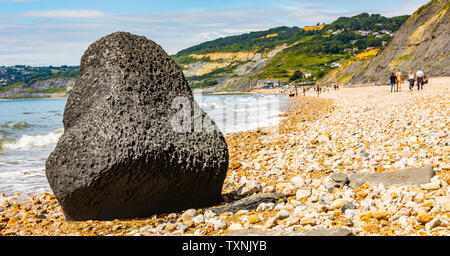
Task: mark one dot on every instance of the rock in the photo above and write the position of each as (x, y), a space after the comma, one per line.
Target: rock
(270, 222)
(445, 206)
(348, 205)
(288, 190)
(171, 227)
(323, 200)
(248, 203)
(424, 218)
(220, 224)
(199, 219)
(188, 215)
(313, 232)
(269, 189)
(235, 226)
(340, 178)
(432, 185)
(337, 204)
(323, 138)
(131, 146)
(432, 224)
(254, 219)
(262, 207)
(308, 220)
(249, 188)
(298, 181)
(410, 176)
(283, 214)
(303, 193)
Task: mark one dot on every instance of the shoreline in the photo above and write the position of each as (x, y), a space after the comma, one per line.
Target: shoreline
(359, 129)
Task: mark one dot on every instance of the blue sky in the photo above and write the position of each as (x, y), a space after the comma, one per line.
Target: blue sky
(57, 32)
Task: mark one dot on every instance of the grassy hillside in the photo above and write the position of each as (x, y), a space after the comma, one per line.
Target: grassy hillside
(26, 76)
(254, 41)
(337, 42)
(315, 49)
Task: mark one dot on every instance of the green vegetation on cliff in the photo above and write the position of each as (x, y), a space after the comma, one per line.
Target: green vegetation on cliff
(254, 41)
(25, 76)
(314, 51)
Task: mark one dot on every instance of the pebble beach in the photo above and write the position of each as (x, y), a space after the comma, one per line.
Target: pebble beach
(351, 130)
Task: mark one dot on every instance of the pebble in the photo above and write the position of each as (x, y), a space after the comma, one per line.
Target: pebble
(283, 214)
(235, 226)
(188, 215)
(303, 193)
(220, 224)
(199, 219)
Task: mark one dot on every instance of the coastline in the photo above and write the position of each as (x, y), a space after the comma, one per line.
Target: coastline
(350, 130)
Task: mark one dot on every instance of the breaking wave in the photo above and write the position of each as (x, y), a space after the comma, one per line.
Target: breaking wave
(30, 142)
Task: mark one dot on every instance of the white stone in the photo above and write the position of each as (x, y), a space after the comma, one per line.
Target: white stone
(235, 226)
(298, 181)
(432, 224)
(303, 193)
(283, 214)
(432, 185)
(199, 219)
(220, 224)
(189, 214)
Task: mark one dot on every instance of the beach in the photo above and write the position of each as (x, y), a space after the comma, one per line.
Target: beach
(351, 130)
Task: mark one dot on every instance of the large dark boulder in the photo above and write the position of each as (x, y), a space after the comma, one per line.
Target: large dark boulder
(135, 142)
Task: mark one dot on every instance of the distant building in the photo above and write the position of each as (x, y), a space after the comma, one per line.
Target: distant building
(267, 83)
(307, 74)
(364, 32)
(336, 64)
(337, 31)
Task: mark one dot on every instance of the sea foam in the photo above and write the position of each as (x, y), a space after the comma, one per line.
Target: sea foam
(30, 142)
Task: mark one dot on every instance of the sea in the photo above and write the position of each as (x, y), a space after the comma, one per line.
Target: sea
(30, 129)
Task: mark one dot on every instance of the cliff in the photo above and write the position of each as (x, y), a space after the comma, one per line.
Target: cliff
(422, 42)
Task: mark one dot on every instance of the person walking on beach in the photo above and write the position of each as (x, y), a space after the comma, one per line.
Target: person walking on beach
(420, 76)
(411, 79)
(393, 79)
(399, 76)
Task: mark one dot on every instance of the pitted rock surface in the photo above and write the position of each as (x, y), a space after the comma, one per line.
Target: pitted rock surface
(120, 156)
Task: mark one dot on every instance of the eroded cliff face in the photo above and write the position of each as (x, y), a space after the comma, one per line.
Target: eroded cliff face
(346, 72)
(232, 69)
(422, 42)
(42, 89)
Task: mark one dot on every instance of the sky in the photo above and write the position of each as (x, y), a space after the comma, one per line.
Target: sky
(57, 32)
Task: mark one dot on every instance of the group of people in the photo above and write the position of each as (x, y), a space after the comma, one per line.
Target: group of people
(397, 79)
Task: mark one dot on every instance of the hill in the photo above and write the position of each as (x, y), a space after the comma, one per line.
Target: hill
(236, 62)
(36, 82)
(422, 42)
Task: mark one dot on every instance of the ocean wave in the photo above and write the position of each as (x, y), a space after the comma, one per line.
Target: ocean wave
(30, 142)
(18, 125)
